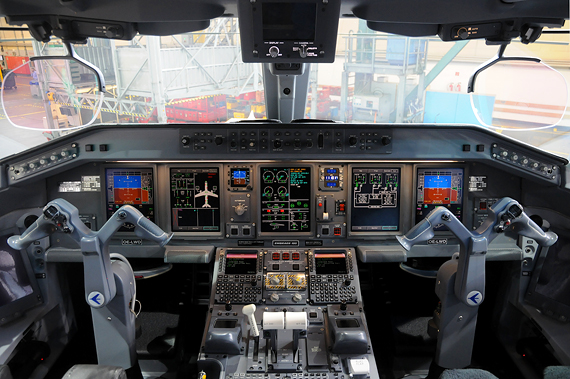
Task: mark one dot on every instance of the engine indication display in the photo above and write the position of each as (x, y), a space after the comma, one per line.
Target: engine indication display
(375, 199)
(439, 187)
(194, 199)
(130, 186)
(285, 199)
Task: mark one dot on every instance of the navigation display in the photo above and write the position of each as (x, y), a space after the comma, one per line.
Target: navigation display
(194, 199)
(375, 199)
(438, 187)
(241, 264)
(330, 263)
(285, 199)
(130, 186)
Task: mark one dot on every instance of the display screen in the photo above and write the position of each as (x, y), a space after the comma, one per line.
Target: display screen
(439, 187)
(130, 186)
(375, 199)
(194, 199)
(239, 177)
(14, 280)
(285, 199)
(241, 264)
(289, 21)
(330, 263)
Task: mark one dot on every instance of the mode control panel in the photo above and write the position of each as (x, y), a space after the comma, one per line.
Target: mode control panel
(315, 140)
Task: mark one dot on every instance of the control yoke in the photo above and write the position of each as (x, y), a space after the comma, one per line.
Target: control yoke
(506, 216)
(460, 284)
(60, 215)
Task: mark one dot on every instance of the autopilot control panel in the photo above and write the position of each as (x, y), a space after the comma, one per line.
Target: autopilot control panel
(287, 313)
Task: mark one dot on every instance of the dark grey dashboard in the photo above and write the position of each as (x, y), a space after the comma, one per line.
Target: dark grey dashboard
(279, 186)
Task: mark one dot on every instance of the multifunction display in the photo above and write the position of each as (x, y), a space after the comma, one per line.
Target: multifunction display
(194, 199)
(130, 186)
(375, 199)
(285, 199)
(438, 187)
(330, 263)
(289, 21)
(241, 263)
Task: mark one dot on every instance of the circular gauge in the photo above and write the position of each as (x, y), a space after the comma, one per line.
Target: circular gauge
(282, 176)
(267, 191)
(282, 191)
(268, 176)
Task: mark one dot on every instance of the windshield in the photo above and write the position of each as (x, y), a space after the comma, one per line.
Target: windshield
(376, 78)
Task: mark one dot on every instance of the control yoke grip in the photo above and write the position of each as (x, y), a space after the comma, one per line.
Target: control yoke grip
(144, 228)
(421, 232)
(41, 228)
(524, 226)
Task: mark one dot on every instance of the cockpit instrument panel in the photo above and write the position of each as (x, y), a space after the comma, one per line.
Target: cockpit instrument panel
(195, 199)
(240, 178)
(130, 186)
(375, 199)
(436, 187)
(285, 199)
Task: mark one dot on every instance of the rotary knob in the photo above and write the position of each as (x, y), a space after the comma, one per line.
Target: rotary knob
(297, 297)
(185, 141)
(352, 141)
(274, 51)
(240, 209)
(274, 297)
(274, 280)
(298, 280)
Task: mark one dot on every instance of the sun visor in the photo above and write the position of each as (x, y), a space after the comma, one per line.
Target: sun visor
(404, 29)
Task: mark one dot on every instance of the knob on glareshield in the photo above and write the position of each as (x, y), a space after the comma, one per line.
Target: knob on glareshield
(274, 51)
(185, 141)
(219, 140)
(352, 141)
(277, 144)
(386, 140)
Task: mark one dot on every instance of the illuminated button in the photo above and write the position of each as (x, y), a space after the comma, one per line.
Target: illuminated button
(275, 256)
(296, 256)
(285, 256)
